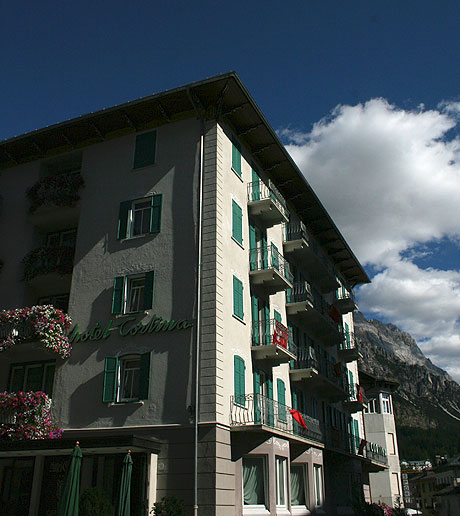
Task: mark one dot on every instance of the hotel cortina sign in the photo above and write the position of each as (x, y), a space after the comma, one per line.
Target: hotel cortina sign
(128, 327)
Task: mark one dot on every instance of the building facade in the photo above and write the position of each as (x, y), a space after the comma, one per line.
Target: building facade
(211, 303)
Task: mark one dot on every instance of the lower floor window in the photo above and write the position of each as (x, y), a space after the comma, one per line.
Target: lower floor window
(299, 484)
(254, 481)
(281, 477)
(32, 376)
(129, 372)
(126, 378)
(318, 485)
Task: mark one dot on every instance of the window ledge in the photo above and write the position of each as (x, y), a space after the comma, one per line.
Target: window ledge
(238, 319)
(142, 168)
(237, 175)
(255, 510)
(124, 403)
(236, 242)
(135, 237)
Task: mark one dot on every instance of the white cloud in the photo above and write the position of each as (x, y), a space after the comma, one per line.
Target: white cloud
(390, 179)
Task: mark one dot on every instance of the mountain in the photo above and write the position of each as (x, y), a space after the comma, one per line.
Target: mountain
(427, 402)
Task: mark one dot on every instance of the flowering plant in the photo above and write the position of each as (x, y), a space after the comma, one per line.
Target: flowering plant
(43, 322)
(27, 415)
(44, 260)
(58, 190)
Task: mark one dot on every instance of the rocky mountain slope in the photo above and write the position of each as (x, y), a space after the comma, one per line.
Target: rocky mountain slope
(427, 403)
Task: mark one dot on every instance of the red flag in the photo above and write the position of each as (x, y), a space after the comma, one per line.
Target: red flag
(280, 335)
(337, 369)
(362, 444)
(361, 394)
(298, 417)
(334, 314)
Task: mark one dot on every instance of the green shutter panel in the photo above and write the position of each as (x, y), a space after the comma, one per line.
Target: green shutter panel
(123, 215)
(237, 223)
(110, 379)
(294, 399)
(277, 316)
(255, 321)
(255, 186)
(144, 377)
(144, 153)
(117, 300)
(155, 214)
(257, 401)
(268, 338)
(238, 298)
(239, 379)
(236, 160)
(275, 256)
(281, 392)
(270, 407)
(149, 290)
(252, 247)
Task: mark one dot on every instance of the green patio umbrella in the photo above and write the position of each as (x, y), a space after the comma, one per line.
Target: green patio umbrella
(124, 502)
(68, 504)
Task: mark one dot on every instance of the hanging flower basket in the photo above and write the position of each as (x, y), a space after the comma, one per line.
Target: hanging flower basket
(43, 323)
(45, 260)
(27, 415)
(58, 190)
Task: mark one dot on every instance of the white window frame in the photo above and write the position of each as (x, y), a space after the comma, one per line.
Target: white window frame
(318, 483)
(256, 508)
(120, 380)
(51, 300)
(281, 483)
(127, 308)
(60, 235)
(132, 211)
(385, 402)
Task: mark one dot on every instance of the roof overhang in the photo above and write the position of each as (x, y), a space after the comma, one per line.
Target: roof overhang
(223, 98)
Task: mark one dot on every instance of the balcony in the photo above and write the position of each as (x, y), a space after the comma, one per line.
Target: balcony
(347, 349)
(266, 205)
(49, 268)
(356, 401)
(261, 414)
(27, 415)
(272, 342)
(313, 313)
(269, 270)
(345, 300)
(306, 252)
(44, 324)
(56, 192)
(322, 378)
(373, 455)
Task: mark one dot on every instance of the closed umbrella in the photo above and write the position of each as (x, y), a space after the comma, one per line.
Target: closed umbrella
(68, 504)
(124, 502)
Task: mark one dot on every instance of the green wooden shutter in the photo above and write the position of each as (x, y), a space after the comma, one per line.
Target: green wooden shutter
(252, 247)
(255, 321)
(110, 379)
(239, 380)
(144, 153)
(236, 160)
(118, 294)
(125, 208)
(294, 399)
(270, 407)
(257, 404)
(266, 312)
(238, 298)
(277, 316)
(281, 392)
(275, 256)
(149, 290)
(144, 377)
(347, 336)
(237, 223)
(155, 214)
(255, 186)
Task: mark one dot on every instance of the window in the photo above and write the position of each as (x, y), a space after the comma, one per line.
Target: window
(282, 416)
(386, 403)
(281, 479)
(236, 159)
(139, 217)
(237, 223)
(254, 481)
(144, 153)
(371, 407)
(318, 475)
(133, 294)
(65, 238)
(126, 378)
(238, 298)
(32, 376)
(395, 484)
(299, 484)
(60, 301)
(239, 372)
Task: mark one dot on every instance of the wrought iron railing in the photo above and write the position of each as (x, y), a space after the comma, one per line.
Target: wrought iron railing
(272, 332)
(268, 257)
(334, 372)
(348, 342)
(256, 409)
(298, 231)
(344, 293)
(45, 260)
(258, 191)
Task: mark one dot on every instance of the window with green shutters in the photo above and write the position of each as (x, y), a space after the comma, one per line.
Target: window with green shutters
(238, 298)
(237, 223)
(126, 378)
(139, 217)
(236, 159)
(134, 293)
(239, 371)
(145, 150)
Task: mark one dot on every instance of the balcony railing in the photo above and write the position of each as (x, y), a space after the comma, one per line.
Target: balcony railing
(334, 372)
(256, 409)
(345, 300)
(272, 333)
(45, 260)
(259, 191)
(56, 190)
(265, 258)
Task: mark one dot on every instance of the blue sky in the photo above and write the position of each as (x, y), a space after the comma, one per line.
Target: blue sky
(365, 94)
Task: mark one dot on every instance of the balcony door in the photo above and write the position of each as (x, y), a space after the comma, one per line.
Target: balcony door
(263, 398)
(260, 322)
(258, 248)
